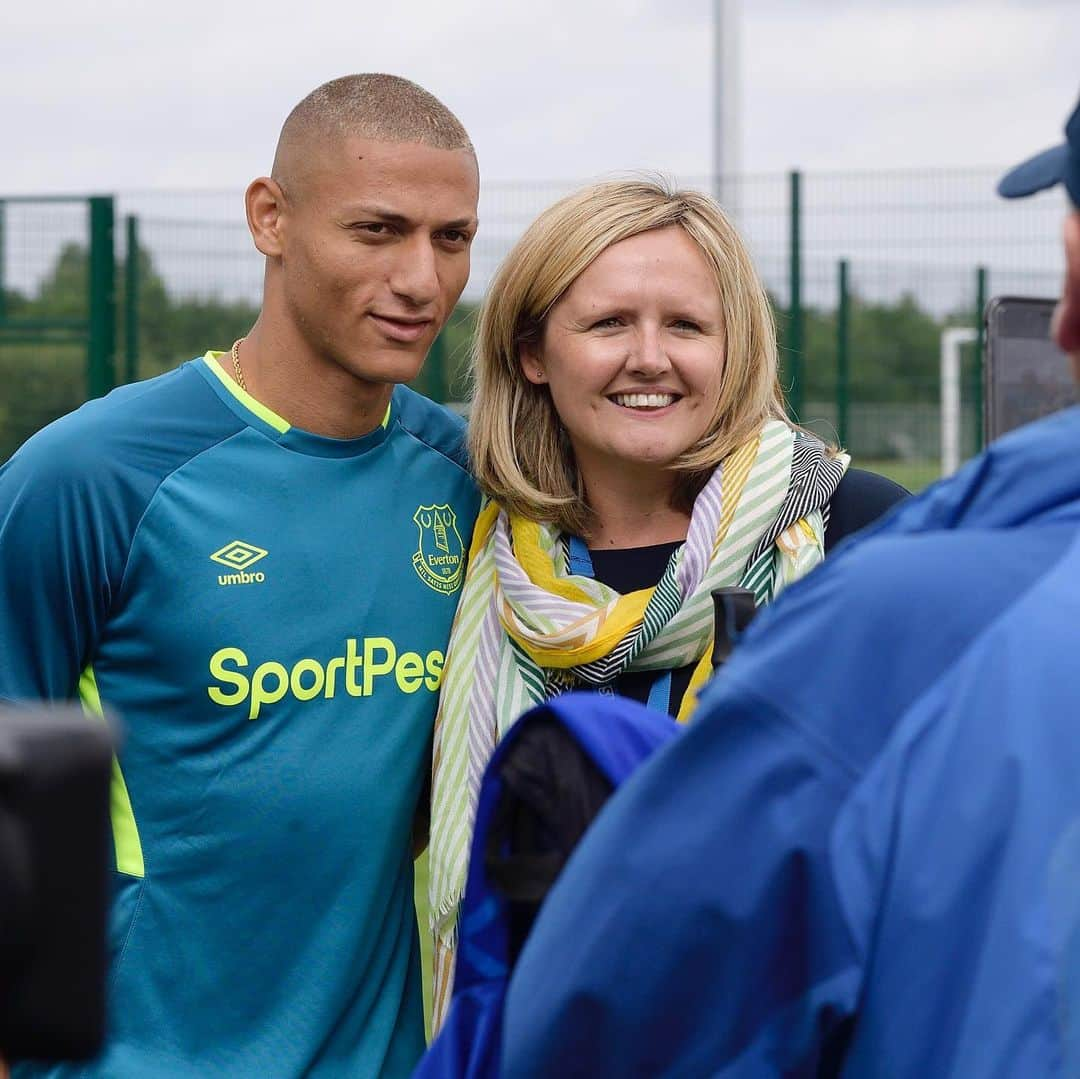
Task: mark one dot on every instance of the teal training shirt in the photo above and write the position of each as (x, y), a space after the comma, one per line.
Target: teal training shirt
(267, 611)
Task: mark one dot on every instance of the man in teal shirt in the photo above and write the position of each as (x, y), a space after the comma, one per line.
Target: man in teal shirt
(254, 561)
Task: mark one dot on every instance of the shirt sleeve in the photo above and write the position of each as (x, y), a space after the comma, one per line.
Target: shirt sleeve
(698, 926)
(61, 545)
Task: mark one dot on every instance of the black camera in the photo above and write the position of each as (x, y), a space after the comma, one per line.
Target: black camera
(733, 611)
(55, 768)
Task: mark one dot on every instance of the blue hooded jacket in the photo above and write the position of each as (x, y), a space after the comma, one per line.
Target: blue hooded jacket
(616, 735)
(863, 857)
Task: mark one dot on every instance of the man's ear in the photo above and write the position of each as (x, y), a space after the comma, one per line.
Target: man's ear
(1066, 329)
(265, 204)
(532, 364)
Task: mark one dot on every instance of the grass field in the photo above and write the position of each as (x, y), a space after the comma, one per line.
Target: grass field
(914, 475)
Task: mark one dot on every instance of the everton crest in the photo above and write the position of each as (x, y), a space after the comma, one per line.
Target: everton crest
(440, 555)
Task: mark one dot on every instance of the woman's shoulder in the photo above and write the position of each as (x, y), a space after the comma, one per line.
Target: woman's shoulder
(860, 499)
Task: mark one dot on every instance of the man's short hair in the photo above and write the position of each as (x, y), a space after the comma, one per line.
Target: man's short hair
(386, 108)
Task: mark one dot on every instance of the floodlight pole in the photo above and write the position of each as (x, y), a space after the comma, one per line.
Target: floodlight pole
(726, 55)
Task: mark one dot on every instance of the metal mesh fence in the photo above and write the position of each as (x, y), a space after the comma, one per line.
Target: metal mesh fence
(912, 242)
(943, 219)
(44, 313)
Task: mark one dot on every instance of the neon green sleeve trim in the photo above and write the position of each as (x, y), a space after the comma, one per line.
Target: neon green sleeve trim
(129, 856)
(265, 414)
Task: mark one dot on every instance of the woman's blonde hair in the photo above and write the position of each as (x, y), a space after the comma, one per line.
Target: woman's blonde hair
(520, 451)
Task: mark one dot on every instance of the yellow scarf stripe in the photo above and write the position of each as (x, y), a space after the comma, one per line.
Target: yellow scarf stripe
(539, 566)
(598, 630)
(553, 651)
(485, 524)
(737, 468)
(702, 673)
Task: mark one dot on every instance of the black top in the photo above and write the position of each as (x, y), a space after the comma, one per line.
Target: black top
(860, 498)
(630, 569)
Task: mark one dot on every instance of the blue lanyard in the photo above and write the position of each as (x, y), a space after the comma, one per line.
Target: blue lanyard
(581, 566)
(660, 694)
(580, 559)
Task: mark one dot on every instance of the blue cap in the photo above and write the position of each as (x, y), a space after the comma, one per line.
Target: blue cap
(1056, 166)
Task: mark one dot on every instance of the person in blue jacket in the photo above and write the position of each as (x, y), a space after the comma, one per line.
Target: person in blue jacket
(254, 561)
(543, 786)
(863, 856)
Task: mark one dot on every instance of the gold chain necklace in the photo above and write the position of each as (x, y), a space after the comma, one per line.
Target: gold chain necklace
(236, 363)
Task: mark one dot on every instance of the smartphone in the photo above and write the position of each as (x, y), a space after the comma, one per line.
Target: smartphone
(1025, 375)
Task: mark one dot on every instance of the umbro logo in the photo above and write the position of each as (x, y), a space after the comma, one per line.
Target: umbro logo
(239, 557)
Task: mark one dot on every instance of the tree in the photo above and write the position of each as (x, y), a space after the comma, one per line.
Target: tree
(893, 346)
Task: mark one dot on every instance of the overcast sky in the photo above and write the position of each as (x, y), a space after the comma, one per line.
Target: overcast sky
(124, 96)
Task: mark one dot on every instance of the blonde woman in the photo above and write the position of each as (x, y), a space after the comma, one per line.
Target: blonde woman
(629, 429)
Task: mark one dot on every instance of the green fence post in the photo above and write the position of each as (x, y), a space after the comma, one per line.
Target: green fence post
(795, 319)
(101, 347)
(131, 300)
(3, 263)
(977, 375)
(843, 373)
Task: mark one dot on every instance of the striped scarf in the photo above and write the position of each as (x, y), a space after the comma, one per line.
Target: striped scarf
(527, 629)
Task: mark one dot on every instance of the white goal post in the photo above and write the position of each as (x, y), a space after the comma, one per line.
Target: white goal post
(951, 340)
